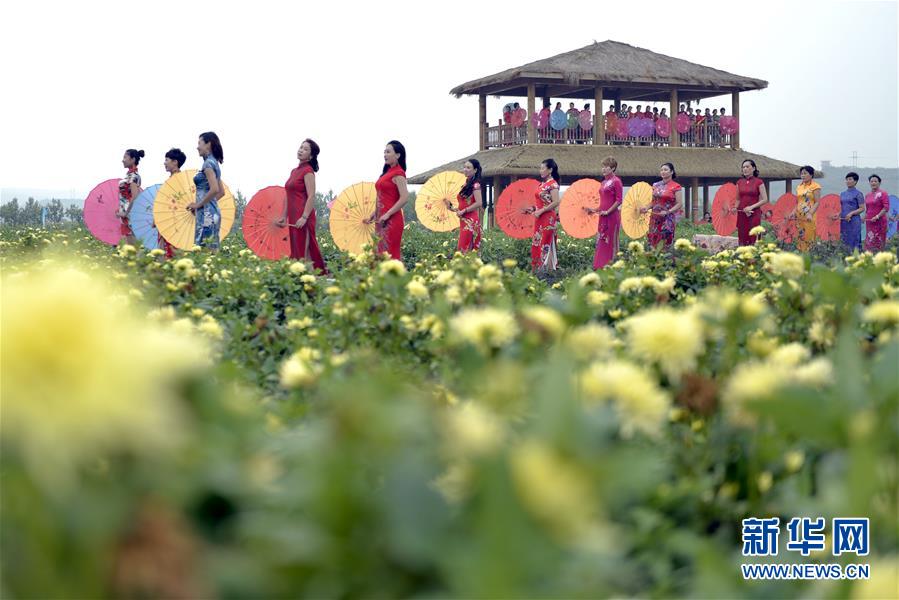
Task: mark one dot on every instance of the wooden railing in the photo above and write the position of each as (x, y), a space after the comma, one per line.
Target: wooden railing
(700, 135)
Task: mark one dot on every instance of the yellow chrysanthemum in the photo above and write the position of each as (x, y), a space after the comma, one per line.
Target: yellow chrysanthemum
(71, 387)
(298, 371)
(757, 231)
(884, 259)
(641, 403)
(591, 341)
(297, 268)
(417, 289)
(785, 264)
(882, 311)
(589, 280)
(485, 328)
(472, 430)
(667, 337)
(545, 318)
(392, 267)
(555, 490)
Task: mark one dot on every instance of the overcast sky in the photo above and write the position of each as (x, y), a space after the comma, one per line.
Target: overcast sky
(83, 81)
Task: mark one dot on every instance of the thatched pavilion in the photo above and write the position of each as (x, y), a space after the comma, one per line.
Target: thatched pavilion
(616, 72)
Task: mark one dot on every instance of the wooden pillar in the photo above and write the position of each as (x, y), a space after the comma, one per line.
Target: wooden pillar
(482, 121)
(789, 186)
(694, 185)
(675, 136)
(599, 130)
(735, 111)
(532, 131)
(705, 197)
(497, 190)
(768, 189)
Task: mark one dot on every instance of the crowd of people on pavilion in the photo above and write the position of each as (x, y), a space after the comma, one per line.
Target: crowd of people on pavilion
(575, 125)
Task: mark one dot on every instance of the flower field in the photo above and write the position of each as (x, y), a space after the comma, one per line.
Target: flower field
(220, 425)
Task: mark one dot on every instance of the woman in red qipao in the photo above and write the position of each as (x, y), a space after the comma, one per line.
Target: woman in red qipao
(392, 196)
(299, 210)
(667, 200)
(610, 195)
(129, 189)
(543, 245)
(469, 200)
(752, 196)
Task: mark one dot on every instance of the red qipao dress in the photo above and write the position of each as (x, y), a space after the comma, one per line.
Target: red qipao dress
(661, 227)
(390, 234)
(610, 192)
(748, 194)
(469, 223)
(543, 244)
(876, 231)
(303, 245)
(125, 198)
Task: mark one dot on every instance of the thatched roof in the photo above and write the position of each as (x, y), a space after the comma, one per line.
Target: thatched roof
(628, 72)
(634, 162)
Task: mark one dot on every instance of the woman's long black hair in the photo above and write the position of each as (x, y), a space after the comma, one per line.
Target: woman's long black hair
(553, 167)
(313, 154)
(468, 188)
(399, 149)
(215, 145)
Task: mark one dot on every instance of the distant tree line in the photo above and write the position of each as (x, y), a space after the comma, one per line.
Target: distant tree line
(29, 214)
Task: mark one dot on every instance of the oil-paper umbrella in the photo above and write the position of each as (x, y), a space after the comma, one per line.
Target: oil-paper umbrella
(724, 206)
(682, 123)
(893, 216)
(558, 120)
(585, 120)
(663, 127)
(100, 208)
(729, 125)
(141, 218)
(583, 193)
(431, 201)
(517, 196)
(612, 125)
(260, 224)
(635, 223)
(826, 228)
(572, 120)
(784, 226)
(518, 117)
(177, 224)
(348, 214)
(173, 220)
(623, 128)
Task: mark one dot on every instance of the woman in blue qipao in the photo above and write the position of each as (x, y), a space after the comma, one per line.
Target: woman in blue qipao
(209, 190)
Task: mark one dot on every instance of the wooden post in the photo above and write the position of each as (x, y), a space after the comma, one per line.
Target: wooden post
(735, 111)
(497, 190)
(532, 131)
(789, 186)
(768, 189)
(694, 185)
(482, 120)
(675, 136)
(705, 197)
(599, 130)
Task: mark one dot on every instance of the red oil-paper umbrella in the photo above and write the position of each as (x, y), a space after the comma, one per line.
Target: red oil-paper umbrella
(784, 225)
(510, 217)
(260, 224)
(724, 209)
